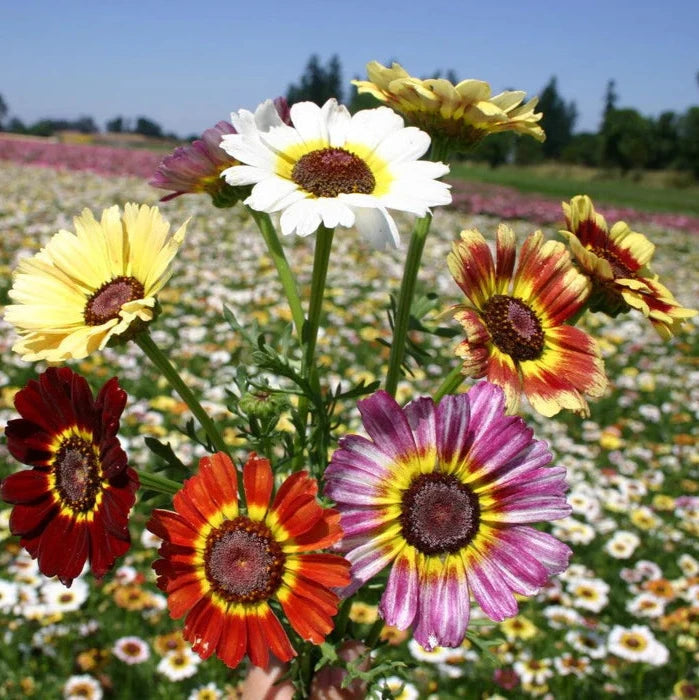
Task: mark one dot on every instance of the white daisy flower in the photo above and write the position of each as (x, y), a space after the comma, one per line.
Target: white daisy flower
(82, 688)
(589, 594)
(400, 689)
(178, 665)
(334, 168)
(131, 650)
(59, 599)
(638, 644)
(622, 544)
(206, 692)
(9, 595)
(646, 605)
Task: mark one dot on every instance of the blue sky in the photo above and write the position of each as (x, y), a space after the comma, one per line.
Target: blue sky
(186, 65)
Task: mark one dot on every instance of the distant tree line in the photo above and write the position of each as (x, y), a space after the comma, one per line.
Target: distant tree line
(83, 125)
(626, 139)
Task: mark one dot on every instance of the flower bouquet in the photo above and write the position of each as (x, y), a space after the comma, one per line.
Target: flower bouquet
(270, 543)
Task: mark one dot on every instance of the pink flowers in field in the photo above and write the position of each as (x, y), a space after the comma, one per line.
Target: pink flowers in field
(508, 203)
(104, 160)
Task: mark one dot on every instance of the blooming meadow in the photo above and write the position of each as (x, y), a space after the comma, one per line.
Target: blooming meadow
(457, 483)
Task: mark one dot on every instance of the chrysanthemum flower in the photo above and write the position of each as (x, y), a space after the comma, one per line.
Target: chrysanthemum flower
(82, 687)
(335, 169)
(87, 288)
(445, 494)
(222, 567)
(516, 335)
(73, 506)
(462, 113)
(617, 263)
(131, 650)
(197, 167)
(637, 643)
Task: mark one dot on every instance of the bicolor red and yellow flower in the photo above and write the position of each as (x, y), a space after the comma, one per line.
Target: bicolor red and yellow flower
(462, 114)
(222, 567)
(617, 261)
(73, 506)
(514, 321)
(446, 495)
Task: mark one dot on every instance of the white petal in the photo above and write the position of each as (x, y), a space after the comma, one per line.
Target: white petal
(404, 145)
(377, 226)
(309, 121)
(266, 116)
(244, 175)
(302, 217)
(335, 213)
(371, 126)
(273, 194)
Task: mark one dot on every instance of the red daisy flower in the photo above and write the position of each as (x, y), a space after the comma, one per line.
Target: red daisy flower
(74, 504)
(617, 262)
(515, 321)
(222, 568)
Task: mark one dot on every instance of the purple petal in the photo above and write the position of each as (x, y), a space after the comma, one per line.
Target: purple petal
(399, 601)
(420, 414)
(424, 631)
(452, 607)
(545, 548)
(368, 559)
(452, 419)
(489, 588)
(387, 425)
(362, 521)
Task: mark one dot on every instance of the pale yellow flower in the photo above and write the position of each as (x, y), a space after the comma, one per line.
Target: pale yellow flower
(463, 113)
(85, 289)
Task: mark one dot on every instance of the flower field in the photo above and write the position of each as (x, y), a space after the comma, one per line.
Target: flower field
(623, 620)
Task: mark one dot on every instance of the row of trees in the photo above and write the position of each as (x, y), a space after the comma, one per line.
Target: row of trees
(83, 125)
(626, 139)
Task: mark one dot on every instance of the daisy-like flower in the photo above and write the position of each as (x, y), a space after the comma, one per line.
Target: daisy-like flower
(82, 687)
(88, 288)
(617, 263)
(73, 506)
(637, 643)
(197, 167)
(222, 567)
(445, 493)
(335, 169)
(178, 665)
(463, 113)
(59, 599)
(131, 650)
(514, 321)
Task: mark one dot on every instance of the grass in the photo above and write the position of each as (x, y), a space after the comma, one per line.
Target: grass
(655, 192)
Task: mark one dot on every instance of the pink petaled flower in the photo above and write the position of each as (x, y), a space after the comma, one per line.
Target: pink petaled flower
(446, 494)
(197, 167)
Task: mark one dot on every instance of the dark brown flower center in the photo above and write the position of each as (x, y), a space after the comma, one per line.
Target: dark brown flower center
(244, 563)
(77, 473)
(107, 301)
(633, 643)
(514, 327)
(619, 269)
(439, 514)
(329, 172)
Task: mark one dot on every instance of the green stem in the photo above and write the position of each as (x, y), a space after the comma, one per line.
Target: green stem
(450, 383)
(156, 356)
(321, 258)
(407, 288)
(374, 634)
(269, 233)
(158, 483)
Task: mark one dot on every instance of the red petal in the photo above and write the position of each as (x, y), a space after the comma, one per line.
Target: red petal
(329, 570)
(276, 636)
(234, 640)
(26, 486)
(257, 642)
(258, 481)
(203, 628)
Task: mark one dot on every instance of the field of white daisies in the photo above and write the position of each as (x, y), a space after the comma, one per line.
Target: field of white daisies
(622, 620)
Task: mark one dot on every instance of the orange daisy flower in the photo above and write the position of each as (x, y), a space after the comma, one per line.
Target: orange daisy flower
(221, 567)
(617, 263)
(516, 335)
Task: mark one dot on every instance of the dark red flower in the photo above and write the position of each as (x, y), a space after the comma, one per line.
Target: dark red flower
(74, 504)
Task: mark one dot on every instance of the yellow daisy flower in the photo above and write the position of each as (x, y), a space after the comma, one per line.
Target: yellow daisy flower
(85, 289)
(463, 113)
